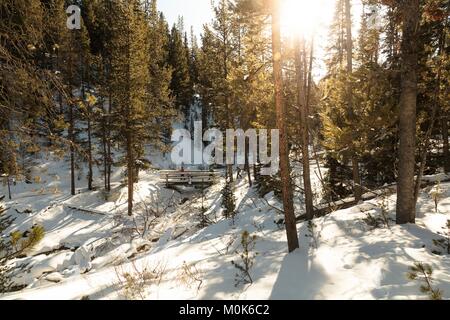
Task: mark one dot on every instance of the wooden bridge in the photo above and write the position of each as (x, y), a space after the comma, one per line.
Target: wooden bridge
(188, 178)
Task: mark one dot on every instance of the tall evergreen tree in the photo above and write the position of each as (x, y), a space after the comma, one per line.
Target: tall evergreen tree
(304, 82)
(218, 59)
(161, 107)
(75, 50)
(179, 61)
(377, 120)
(26, 96)
(406, 211)
(288, 206)
(130, 78)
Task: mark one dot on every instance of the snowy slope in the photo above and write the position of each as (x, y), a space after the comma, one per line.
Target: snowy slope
(86, 253)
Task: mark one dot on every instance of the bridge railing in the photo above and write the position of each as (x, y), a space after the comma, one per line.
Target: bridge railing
(177, 177)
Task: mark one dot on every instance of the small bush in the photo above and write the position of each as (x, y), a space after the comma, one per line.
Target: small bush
(374, 222)
(13, 246)
(190, 275)
(149, 211)
(135, 281)
(385, 213)
(21, 242)
(436, 195)
(247, 257)
(204, 220)
(265, 183)
(229, 201)
(380, 221)
(424, 274)
(312, 234)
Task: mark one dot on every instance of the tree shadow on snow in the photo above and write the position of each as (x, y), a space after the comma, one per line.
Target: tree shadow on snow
(299, 278)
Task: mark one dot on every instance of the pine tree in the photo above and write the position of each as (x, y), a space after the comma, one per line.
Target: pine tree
(339, 117)
(433, 60)
(218, 59)
(130, 78)
(101, 24)
(377, 116)
(180, 85)
(208, 72)
(336, 47)
(424, 274)
(193, 60)
(357, 186)
(251, 83)
(26, 88)
(288, 206)
(304, 82)
(406, 211)
(161, 107)
(229, 200)
(266, 184)
(75, 50)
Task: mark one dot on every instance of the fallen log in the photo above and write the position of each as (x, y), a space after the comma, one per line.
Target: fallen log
(346, 203)
(84, 210)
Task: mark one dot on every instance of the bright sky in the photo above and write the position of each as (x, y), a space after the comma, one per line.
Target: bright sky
(195, 12)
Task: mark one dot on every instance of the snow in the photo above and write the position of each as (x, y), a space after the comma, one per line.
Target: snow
(89, 242)
(83, 257)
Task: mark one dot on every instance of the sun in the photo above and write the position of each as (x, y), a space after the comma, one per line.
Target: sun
(301, 17)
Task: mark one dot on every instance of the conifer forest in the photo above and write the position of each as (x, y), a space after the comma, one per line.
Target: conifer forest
(224, 150)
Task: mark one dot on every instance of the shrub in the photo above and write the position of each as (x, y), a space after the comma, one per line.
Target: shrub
(228, 200)
(247, 257)
(265, 184)
(312, 234)
(15, 245)
(190, 275)
(436, 195)
(424, 274)
(135, 281)
(382, 220)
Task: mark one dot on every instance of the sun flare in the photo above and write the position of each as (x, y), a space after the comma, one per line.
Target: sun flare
(302, 17)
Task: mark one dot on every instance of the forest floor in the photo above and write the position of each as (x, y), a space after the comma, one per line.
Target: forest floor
(91, 249)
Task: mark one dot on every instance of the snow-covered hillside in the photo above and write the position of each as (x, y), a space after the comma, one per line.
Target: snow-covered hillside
(92, 250)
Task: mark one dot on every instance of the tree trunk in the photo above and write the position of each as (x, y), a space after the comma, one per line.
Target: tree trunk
(446, 151)
(89, 135)
(288, 205)
(83, 62)
(9, 187)
(357, 190)
(247, 164)
(110, 103)
(406, 208)
(332, 173)
(90, 171)
(302, 103)
(108, 141)
(71, 129)
(130, 173)
(105, 154)
(72, 149)
(136, 174)
(230, 172)
(128, 127)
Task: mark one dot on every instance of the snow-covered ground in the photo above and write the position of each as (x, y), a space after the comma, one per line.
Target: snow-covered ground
(91, 247)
